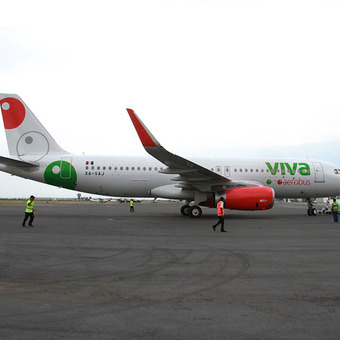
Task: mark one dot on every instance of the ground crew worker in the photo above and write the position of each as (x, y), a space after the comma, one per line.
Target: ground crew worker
(29, 212)
(132, 209)
(220, 214)
(335, 209)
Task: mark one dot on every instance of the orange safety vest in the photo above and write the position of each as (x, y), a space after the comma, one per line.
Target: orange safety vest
(220, 208)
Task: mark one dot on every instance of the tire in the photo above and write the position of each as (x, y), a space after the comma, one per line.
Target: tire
(314, 212)
(195, 211)
(185, 210)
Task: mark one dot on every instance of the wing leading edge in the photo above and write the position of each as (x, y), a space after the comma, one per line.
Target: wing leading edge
(190, 174)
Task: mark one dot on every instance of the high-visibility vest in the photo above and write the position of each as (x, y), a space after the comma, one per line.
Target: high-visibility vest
(335, 207)
(131, 203)
(29, 206)
(220, 208)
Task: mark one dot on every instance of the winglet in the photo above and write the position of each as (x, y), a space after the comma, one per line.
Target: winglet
(145, 136)
(188, 170)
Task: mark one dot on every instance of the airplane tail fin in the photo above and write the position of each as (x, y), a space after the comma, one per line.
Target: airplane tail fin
(26, 136)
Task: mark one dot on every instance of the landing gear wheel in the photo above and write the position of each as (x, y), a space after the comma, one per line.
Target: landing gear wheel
(185, 210)
(195, 211)
(312, 212)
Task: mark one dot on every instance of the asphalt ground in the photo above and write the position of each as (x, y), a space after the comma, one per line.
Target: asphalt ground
(97, 271)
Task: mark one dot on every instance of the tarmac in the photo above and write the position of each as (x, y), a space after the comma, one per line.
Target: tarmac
(97, 271)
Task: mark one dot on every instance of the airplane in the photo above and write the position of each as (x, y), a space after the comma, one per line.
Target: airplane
(245, 183)
(100, 200)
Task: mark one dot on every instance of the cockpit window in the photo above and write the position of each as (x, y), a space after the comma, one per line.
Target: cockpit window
(336, 171)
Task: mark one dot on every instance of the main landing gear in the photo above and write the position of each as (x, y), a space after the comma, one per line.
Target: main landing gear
(192, 211)
(311, 211)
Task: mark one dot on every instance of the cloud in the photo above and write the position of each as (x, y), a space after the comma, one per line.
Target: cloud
(199, 73)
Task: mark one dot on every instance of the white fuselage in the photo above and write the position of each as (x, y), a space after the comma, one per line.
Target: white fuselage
(137, 176)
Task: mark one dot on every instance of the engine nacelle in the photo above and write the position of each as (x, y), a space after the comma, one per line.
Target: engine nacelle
(249, 198)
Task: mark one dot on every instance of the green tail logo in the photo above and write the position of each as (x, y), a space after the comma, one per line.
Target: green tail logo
(61, 174)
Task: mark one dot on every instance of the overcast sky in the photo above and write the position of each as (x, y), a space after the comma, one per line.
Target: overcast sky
(208, 77)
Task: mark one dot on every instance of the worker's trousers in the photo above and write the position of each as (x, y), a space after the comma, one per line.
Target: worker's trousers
(30, 216)
(220, 221)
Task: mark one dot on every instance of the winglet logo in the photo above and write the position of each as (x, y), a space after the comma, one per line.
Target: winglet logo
(61, 174)
(13, 112)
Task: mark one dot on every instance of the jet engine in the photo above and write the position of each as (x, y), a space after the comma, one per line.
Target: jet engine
(248, 198)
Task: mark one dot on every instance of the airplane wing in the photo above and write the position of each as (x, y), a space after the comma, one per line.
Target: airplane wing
(16, 163)
(190, 174)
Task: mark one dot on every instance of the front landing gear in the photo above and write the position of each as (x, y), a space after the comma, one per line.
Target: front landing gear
(311, 211)
(193, 211)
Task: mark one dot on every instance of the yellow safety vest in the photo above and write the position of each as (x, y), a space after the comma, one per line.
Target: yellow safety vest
(131, 203)
(335, 206)
(29, 206)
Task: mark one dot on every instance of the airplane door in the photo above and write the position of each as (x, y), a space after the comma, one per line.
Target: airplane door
(319, 174)
(65, 167)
